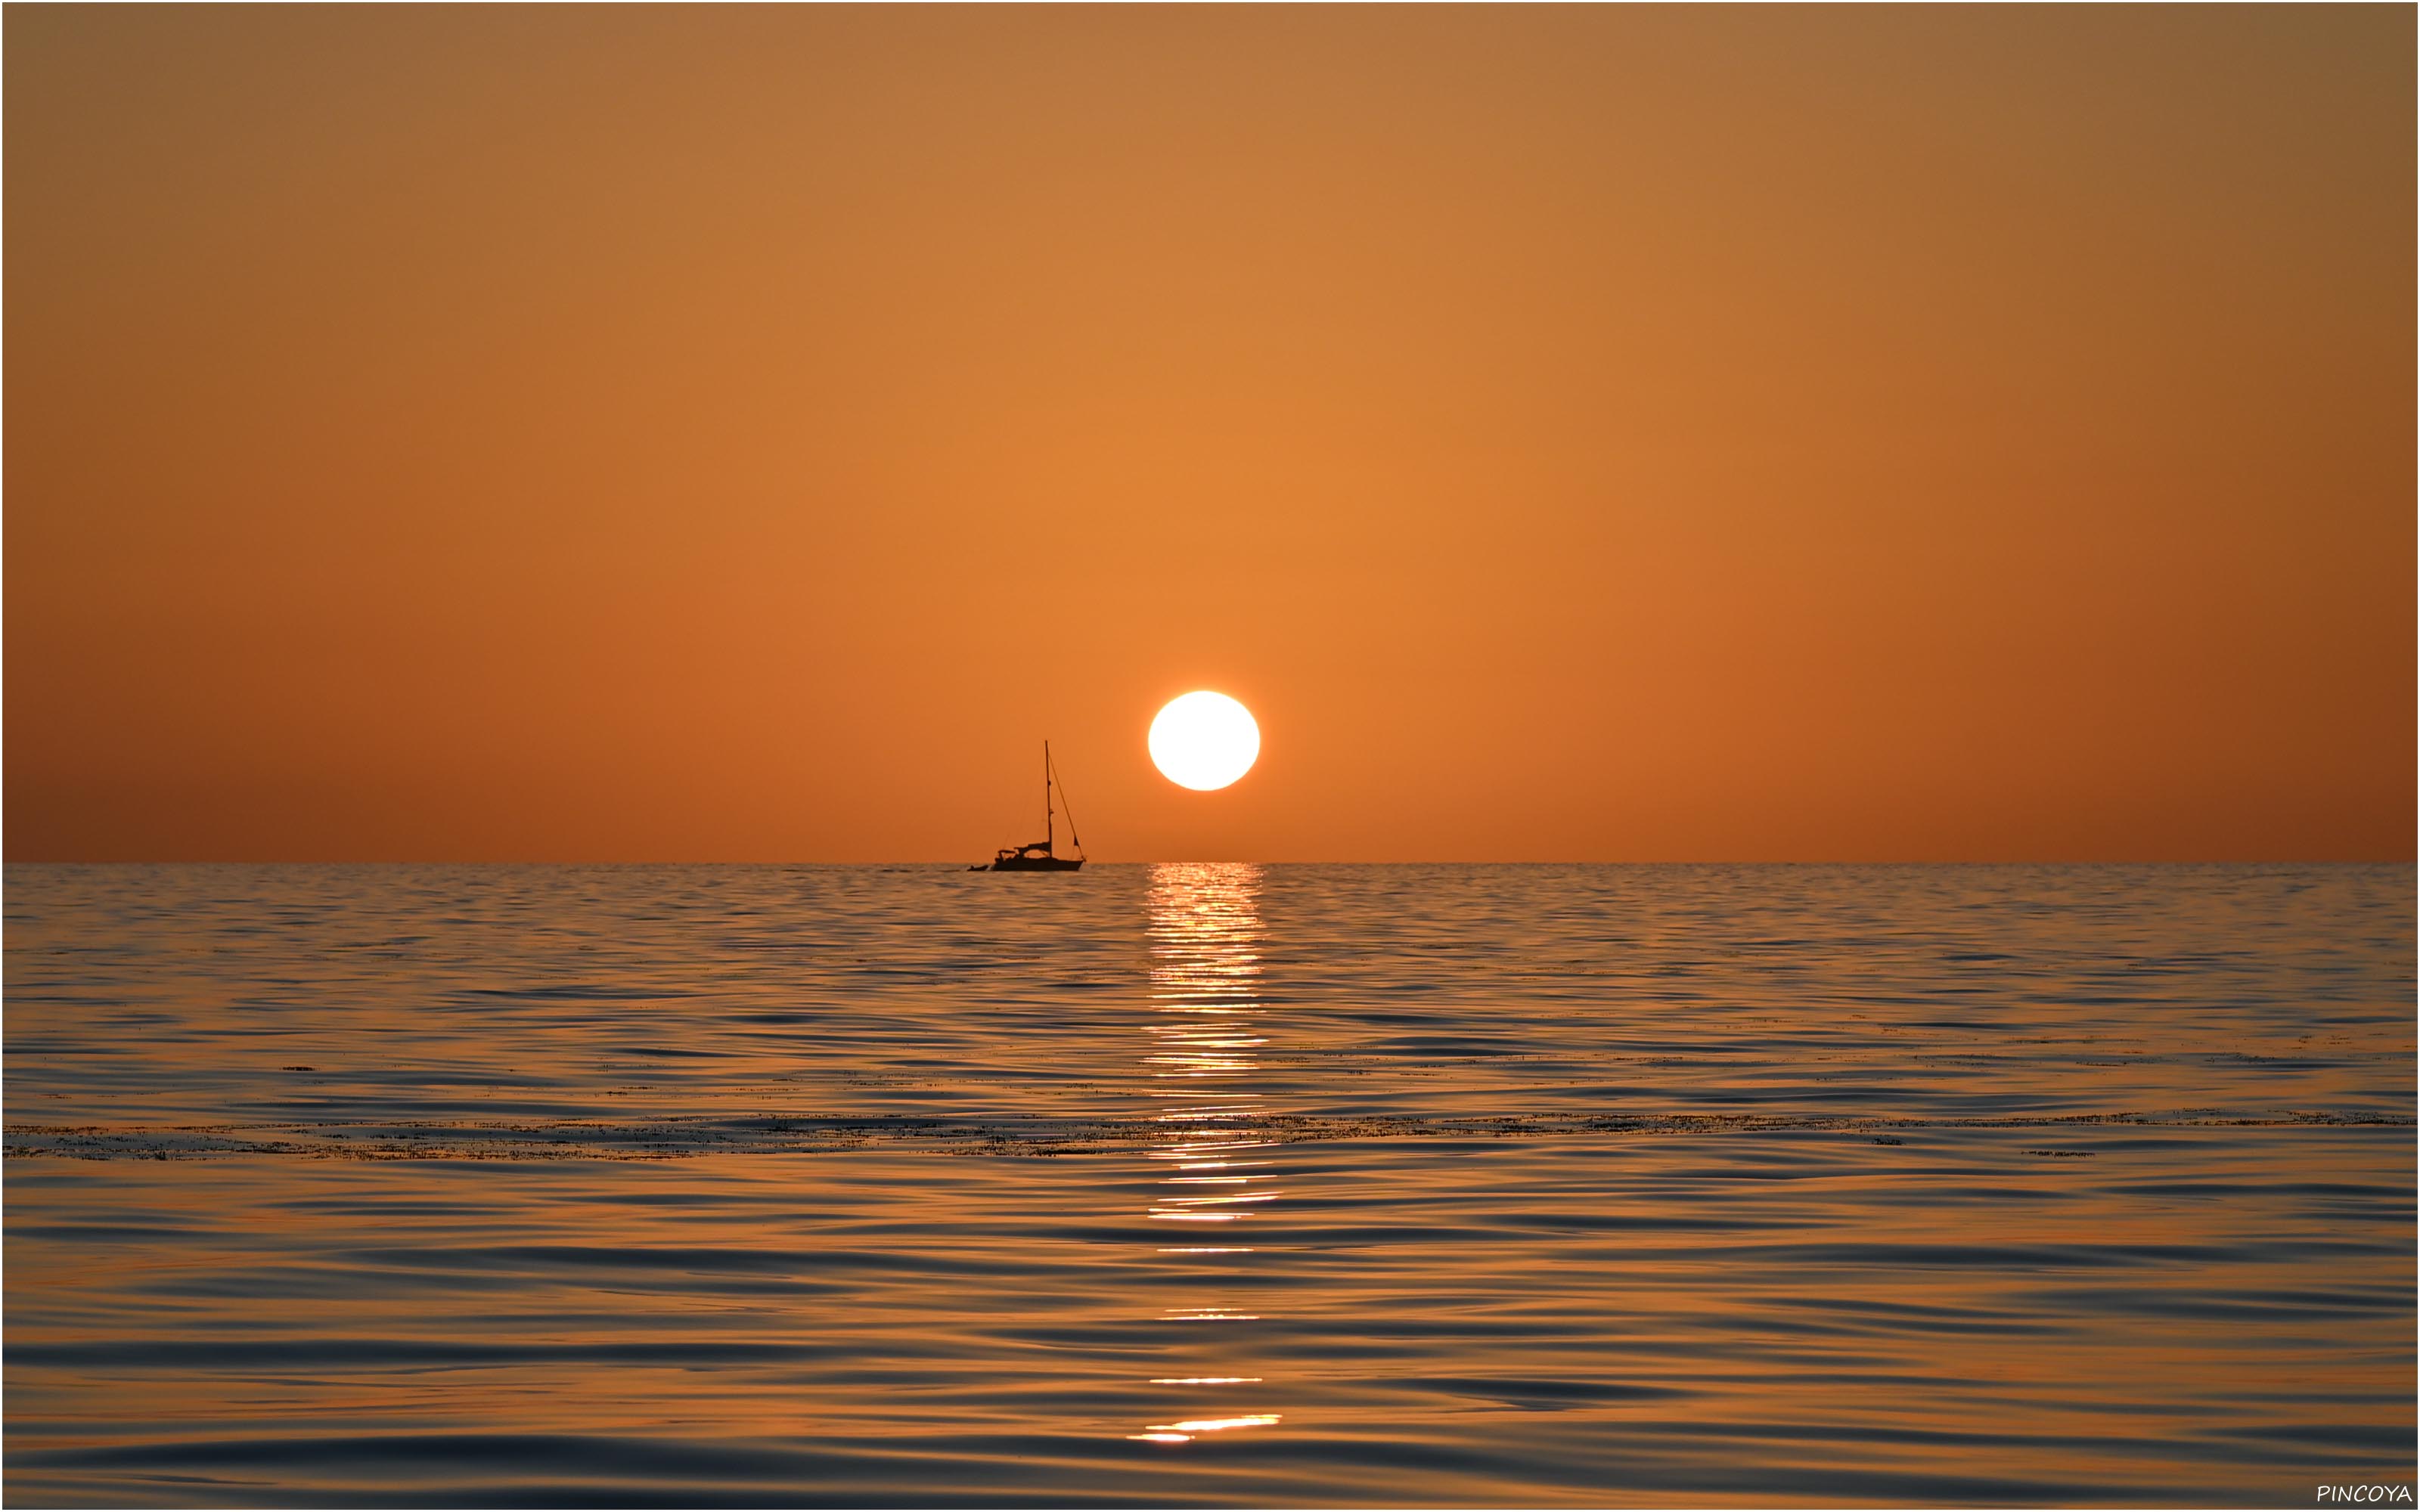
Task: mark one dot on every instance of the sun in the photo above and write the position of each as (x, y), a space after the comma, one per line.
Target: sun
(1205, 741)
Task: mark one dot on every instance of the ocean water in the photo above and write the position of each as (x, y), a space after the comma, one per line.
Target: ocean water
(1402, 1185)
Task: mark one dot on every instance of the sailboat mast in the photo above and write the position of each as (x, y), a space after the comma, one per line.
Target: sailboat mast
(1045, 796)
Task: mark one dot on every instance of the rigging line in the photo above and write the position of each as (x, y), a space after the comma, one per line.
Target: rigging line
(1071, 808)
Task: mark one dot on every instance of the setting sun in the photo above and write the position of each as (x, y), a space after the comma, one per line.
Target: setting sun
(1205, 741)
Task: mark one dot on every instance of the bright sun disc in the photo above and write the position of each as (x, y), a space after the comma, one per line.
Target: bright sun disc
(1205, 741)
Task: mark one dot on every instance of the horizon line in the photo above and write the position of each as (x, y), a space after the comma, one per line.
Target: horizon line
(961, 866)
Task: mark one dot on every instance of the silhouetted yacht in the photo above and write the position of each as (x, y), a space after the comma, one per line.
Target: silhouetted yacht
(1039, 857)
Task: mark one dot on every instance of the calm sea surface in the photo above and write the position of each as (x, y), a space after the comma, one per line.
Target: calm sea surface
(1208, 1185)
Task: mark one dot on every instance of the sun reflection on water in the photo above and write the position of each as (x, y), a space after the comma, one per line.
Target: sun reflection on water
(1206, 1034)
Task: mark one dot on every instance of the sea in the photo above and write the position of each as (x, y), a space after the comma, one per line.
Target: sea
(1207, 1185)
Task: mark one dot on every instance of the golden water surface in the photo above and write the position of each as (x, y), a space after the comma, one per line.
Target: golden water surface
(1208, 1184)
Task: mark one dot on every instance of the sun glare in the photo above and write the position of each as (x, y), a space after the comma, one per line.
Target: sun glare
(1205, 741)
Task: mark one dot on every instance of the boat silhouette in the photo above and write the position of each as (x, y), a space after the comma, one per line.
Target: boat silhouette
(1041, 854)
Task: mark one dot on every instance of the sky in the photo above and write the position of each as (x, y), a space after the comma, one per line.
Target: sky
(639, 433)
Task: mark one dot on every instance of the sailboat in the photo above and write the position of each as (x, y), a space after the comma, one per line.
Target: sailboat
(1040, 856)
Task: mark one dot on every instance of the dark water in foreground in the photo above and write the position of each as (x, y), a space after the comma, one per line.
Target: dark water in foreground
(1219, 1184)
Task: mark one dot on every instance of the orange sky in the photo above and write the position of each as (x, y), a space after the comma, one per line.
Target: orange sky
(654, 433)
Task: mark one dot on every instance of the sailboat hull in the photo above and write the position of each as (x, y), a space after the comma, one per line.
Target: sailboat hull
(1034, 863)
